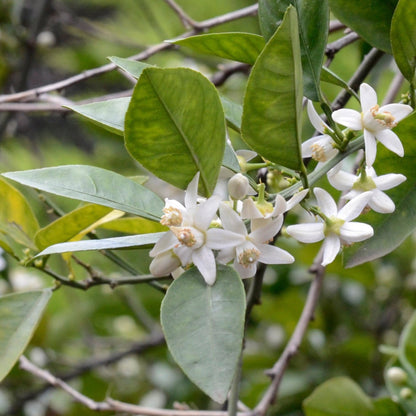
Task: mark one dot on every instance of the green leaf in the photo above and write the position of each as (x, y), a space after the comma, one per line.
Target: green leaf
(103, 244)
(237, 46)
(133, 225)
(133, 68)
(20, 314)
(271, 14)
(272, 111)
(204, 326)
(387, 407)
(332, 78)
(233, 113)
(403, 37)
(390, 230)
(407, 347)
(70, 225)
(96, 185)
(371, 19)
(108, 114)
(175, 126)
(338, 396)
(230, 160)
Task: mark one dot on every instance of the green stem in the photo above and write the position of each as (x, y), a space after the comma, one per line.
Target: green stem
(235, 390)
(412, 95)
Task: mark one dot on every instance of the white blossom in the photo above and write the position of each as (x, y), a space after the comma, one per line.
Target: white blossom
(376, 122)
(336, 227)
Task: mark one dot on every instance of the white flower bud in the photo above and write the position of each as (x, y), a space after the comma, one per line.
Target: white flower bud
(164, 264)
(406, 393)
(238, 187)
(397, 375)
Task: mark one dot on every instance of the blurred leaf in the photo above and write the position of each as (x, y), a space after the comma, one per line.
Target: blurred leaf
(271, 14)
(233, 113)
(92, 184)
(272, 112)
(108, 114)
(387, 407)
(332, 78)
(133, 68)
(175, 119)
(407, 347)
(338, 396)
(371, 19)
(237, 46)
(103, 244)
(133, 225)
(203, 326)
(70, 225)
(392, 229)
(20, 314)
(403, 37)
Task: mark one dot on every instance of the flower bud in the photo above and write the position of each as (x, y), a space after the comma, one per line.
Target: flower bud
(238, 187)
(406, 393)
(164, 264)
(397, 375)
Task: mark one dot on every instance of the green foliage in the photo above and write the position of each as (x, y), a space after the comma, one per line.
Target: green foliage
(203, 326)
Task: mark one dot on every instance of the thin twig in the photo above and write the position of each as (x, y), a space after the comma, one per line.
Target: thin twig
(394, 89)
(334, 47)
(185, 19)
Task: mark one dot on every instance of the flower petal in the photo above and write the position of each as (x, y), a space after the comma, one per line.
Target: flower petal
(342, 180)
(330, 248)
(316, 121)
(280, 206)
(307, 233)
(389, 181)
(246, 154)
(226, 255)
(391, 141)
(245, 271)
(274, 255)
(352, 232)
(307, 146)
(250, 210)
(165, 243)
(296, 198)
(325, 202)
(368, 97)
(231, 220)
(164, 264)
(205, 212)
(218, 239)
(398, 111)
(355, 207)
(370, 147)
(191, 194)
(265, 229)
(380, 202)
(204, 259)
(348, 118)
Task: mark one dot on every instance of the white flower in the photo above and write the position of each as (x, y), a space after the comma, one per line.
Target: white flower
(249, 248)
(337, 227)
(375, 122)
(189, 238)
(238, 187)
(320, 148)
(367, 181)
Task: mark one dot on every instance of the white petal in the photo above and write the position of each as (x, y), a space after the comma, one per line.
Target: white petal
(307, 233)
(355, 207)
(325, 202)
(184, 253)
(266, 231)
(250, 210)
(191, 193)
(368, 97)
(391, 141)
(245, 271)
(165, 243)
(380, 202)
(398, 111)
(204, 259)
(218, 239)
(205, 212)
(296, 198)
(231, 220)
(280, 206)
(389, 181)
(316, 121)
(348, 118)
(307, 146)
(330, 249)
(351, 232)
(370, 147)
(274, 255)
(246, 154)
(226, 255)
(164, 264)
(342, 180)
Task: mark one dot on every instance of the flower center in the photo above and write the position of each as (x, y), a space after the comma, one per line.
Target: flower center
(323, 150)
(189, 236)
(248, 256)
(333, 225)
(364, 183)
(373, 120)
(171, 217)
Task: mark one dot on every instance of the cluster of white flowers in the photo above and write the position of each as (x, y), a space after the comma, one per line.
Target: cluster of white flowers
(204, 232)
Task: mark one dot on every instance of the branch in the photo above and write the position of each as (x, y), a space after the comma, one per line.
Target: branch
(185, 19)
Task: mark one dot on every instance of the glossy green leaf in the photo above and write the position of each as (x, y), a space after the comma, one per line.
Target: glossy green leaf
(403, 37)
(371, 19)
(271, 14)
(174, 121)
(203, 326)
(272, 111)
(338, 396)
(96, 185)
(20, 314)
(332, 78)
(233, 113)
(237, 46)
(133, 68)
(387, 407)
(390, 230)
(103, 244)
(108, 114)
(70, 225)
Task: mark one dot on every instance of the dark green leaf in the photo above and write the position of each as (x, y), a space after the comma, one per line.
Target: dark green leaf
(272, 112)
(390, 230)
(203, 326)
(237, 46)
(403, 37)
(332, 78)
(371, 19)
(271, 14)
(96, 185)
(338, 396)
(108, 114)
(20, 314)
(174, 121)
(133, 68)
(387, 407)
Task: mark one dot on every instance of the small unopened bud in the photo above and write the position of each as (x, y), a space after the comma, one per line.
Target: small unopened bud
(164, 264)
(406, 393)
(238, 187)
(397, 375)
